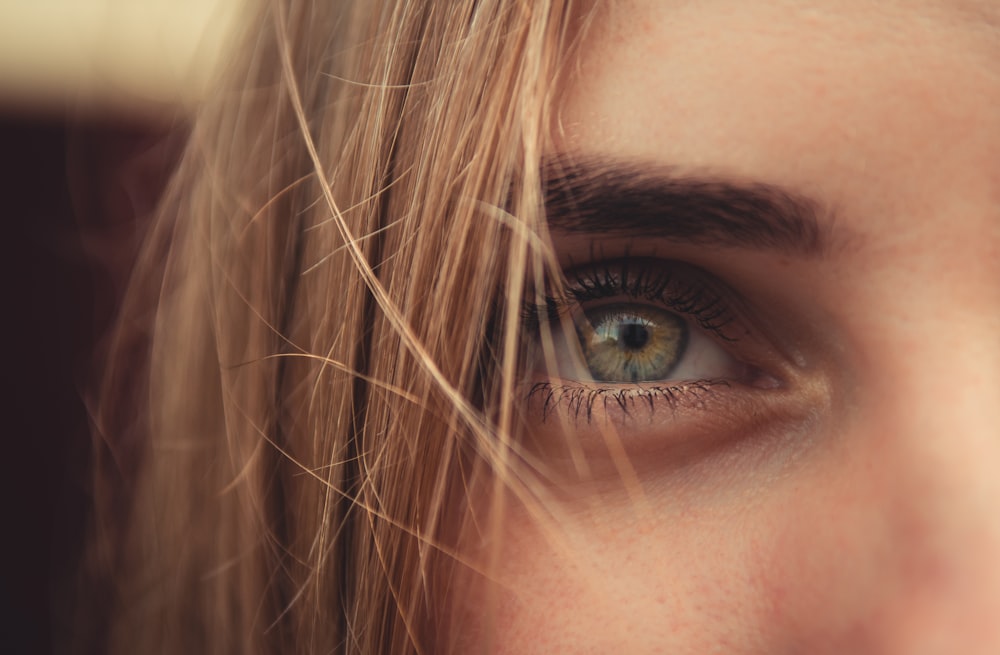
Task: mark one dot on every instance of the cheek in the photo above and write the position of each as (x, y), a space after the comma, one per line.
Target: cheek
(821, 560)
(690, 580)
(788, 568)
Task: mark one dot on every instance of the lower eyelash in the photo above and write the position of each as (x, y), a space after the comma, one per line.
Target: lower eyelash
(581, 401)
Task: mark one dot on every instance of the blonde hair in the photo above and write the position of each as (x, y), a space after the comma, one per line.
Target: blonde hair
(333, 342)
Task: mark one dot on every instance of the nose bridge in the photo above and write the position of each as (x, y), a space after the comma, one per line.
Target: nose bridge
(936, 441)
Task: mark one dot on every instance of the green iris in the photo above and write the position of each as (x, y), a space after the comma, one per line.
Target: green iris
(629, 343)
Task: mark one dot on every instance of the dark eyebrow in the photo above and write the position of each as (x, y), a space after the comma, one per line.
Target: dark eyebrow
(611, 198)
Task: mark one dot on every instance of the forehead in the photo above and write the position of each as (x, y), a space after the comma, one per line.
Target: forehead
(981, 16)
(890, 106)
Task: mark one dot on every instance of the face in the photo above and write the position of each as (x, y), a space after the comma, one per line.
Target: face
(775, 426)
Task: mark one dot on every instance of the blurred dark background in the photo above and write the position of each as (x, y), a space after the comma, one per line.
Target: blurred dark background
(92, 94)
(77, 194)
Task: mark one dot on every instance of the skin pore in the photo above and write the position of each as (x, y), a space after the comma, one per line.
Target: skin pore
(851, 502)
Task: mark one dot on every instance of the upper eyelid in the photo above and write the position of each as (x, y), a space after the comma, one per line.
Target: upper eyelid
(701, 297)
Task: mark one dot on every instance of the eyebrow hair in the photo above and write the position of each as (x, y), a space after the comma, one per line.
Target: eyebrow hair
(603, 197)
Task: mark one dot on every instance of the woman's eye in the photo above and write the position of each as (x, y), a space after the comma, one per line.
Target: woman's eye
(635, 322)
(662, 353)
(634, 343)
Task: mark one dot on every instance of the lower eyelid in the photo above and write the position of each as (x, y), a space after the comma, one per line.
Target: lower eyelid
(658, 430)
(586, 402)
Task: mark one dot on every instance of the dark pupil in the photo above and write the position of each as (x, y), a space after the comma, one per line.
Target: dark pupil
(633, 336)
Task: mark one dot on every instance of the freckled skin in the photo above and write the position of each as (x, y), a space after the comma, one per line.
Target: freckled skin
(875, 526)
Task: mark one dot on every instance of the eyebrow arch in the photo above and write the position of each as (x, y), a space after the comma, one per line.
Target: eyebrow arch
(601, 197)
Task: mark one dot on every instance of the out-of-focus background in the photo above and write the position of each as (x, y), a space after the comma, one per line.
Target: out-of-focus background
(95, 96)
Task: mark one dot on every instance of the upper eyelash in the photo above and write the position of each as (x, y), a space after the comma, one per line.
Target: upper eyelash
(655, 282)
